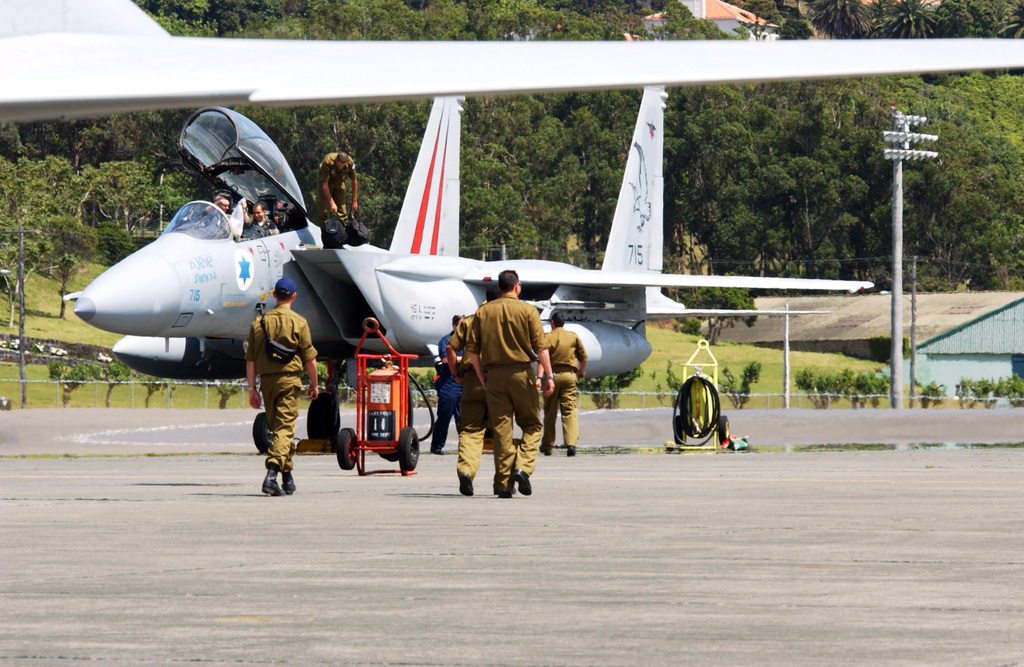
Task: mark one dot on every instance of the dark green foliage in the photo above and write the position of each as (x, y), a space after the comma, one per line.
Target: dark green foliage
(880, 348)
(740, 394)
(988, 392)
(1013, 23)
(717, 298)
(969, 18)
(690, 326)
(906, 19)
(931, 394)
(113, 243)
(859, 388)
(839, 19)
(73, 377)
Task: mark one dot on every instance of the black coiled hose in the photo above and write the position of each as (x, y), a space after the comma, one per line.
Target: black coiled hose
(692, 420)
(430, 409)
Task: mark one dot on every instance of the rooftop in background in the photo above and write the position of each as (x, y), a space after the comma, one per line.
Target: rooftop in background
(853, 319)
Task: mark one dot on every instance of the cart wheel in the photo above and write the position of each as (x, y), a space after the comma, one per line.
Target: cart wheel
(261, 435)
(323, 419)
(346, 449)
(408, 449)
(723, 428)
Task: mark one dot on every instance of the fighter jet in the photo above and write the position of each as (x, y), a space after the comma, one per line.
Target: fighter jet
(187, 300)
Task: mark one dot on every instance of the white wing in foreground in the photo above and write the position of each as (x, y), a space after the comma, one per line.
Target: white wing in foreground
(62, 60)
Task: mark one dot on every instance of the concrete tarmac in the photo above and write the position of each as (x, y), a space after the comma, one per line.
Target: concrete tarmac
(898, 556)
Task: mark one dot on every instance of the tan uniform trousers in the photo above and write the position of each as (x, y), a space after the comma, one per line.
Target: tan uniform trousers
(563, 399)
(473, 424)
(512, 392)
(281, 401)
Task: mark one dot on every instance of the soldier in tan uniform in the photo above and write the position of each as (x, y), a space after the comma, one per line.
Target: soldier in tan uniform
(473, 411)
(566, 351)
(280, 383)
(506, 338)
(331, 193)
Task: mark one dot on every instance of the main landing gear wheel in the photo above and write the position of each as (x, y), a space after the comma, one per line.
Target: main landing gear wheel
(323, 419)
(346, 449)
(261, 435)
(408, 449)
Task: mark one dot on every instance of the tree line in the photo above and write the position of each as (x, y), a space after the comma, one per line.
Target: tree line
(782, 179)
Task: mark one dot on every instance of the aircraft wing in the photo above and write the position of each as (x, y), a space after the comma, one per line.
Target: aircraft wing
(621, 279)
(94, 57)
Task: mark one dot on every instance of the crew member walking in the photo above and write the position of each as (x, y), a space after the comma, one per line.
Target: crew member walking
(331, 193)
(566, 350)
(280, 369)
(473, 425)
(505, 340)
(448, 394)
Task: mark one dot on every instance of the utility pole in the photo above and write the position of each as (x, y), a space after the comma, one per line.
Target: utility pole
(913, 332)
(785, 361)
(900, 137)
(21, 231)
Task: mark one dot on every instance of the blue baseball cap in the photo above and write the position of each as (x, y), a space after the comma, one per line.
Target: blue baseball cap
(285, 286)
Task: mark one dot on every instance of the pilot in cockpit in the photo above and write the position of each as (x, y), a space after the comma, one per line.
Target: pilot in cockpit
(260, 225)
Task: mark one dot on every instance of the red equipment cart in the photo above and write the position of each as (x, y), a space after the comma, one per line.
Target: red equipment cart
(382, 412)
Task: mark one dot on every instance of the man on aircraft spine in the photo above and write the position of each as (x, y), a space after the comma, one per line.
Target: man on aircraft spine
(331, 192)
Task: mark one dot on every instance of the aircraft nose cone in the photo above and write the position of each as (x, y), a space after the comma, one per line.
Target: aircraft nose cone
(140, 295)
(85, 308)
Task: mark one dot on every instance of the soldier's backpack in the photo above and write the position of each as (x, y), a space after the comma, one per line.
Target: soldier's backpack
(357, 232)
(333, 233)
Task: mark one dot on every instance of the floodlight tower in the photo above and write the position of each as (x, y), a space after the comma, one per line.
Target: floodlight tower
(901, 138)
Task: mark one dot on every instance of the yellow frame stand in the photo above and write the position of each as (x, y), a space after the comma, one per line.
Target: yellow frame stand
(696, 365)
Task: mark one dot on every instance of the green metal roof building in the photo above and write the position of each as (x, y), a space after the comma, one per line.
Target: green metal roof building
(988, 347)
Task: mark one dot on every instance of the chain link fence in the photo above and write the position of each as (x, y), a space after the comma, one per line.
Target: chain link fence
(182, 394)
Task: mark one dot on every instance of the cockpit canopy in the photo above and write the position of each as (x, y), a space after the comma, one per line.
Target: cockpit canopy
(200, 220)
(234, 153)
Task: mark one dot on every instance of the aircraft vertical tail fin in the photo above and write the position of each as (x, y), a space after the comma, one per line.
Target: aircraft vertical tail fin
(429, 221)
(635, 240)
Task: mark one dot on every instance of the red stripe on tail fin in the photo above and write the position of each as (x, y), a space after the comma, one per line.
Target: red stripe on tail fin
(418, 237)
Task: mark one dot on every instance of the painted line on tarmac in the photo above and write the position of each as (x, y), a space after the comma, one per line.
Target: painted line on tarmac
(131, 436)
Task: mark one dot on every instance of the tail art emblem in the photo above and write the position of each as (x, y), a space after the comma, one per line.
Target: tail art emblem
(641, 189)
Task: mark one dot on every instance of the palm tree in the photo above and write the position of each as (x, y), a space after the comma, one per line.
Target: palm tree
(839, 19)
(1013, 24)
(907, 19)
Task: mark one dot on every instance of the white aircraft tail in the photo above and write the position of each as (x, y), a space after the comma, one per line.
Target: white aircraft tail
(635, 240)
(429, 221)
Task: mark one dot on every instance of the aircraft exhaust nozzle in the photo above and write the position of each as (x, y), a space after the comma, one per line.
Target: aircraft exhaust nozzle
(140, 295)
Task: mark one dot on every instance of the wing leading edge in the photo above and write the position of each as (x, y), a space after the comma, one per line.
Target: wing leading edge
(75, 67)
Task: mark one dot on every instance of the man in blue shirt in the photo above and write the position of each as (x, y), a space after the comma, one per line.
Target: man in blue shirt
(449, 394)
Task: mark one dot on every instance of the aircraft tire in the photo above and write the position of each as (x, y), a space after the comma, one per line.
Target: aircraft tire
(323, 419)
(723, 428)
(408, 449)
(345, 449)
(261, 435)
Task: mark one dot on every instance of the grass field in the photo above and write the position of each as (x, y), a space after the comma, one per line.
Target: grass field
(42, 312)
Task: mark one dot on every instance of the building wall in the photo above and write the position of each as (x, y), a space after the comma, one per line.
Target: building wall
(999, 333)
(949, 369)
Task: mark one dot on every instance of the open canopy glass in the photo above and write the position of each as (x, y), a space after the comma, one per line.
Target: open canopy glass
(234, 153)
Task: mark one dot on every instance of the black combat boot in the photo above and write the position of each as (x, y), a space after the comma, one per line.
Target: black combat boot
(270, 485)
(287, 483)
